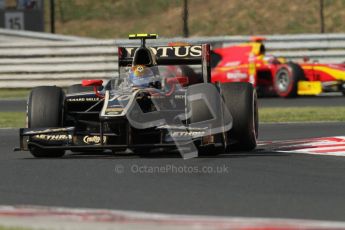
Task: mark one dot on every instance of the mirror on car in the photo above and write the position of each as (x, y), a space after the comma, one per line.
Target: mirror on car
(97, 85)
(92, 82)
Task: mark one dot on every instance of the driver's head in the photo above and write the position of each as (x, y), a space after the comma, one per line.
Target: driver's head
(141, 76)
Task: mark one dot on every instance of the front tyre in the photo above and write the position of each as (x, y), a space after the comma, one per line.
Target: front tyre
(241, 100)
(45, 109)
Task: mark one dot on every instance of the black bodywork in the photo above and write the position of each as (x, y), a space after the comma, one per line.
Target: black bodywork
(93, 122)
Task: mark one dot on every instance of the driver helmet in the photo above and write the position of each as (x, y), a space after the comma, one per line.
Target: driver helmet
(141, 76)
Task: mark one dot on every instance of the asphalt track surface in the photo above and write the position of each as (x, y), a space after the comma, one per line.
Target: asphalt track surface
(257, 184)
(19, 105)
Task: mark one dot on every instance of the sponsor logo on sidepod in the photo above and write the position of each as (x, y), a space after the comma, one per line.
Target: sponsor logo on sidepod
(190, 134)
(82, 99)
(50, 137)
(93, 140)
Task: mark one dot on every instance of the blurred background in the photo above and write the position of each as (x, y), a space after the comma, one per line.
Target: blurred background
(117, 18)
(79, 39)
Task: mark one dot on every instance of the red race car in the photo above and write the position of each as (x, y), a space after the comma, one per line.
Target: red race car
(249, 62)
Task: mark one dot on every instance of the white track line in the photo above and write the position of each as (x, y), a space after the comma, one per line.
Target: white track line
(74, 219)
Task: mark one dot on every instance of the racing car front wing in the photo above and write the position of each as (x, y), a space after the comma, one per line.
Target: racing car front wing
(67, 139)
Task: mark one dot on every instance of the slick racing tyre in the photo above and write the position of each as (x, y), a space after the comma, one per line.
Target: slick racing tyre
(286, 80)
(45, 109)
(241, 100)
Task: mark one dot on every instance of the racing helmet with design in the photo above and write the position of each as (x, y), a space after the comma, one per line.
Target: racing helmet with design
(141, 76)
(144, 64)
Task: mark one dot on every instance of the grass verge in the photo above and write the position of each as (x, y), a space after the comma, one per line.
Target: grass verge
(298, 114)
(14, 93)
(118, 18)
(12, 120)
(291, 114)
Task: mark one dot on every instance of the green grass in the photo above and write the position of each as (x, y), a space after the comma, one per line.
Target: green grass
(118, 18)
(14, 93)
(291, 114)
(297, 114)
(12, 119)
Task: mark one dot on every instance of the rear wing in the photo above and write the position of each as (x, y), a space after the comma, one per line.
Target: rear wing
(173, 55)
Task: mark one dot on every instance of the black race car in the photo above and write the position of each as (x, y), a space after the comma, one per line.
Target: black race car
(162, 98)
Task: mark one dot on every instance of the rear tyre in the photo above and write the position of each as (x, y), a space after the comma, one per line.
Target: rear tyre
(45, 109)
(286, 80)
(241, 101)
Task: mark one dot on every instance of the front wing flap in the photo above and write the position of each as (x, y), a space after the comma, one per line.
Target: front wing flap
(45, 136)
(64, 138)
